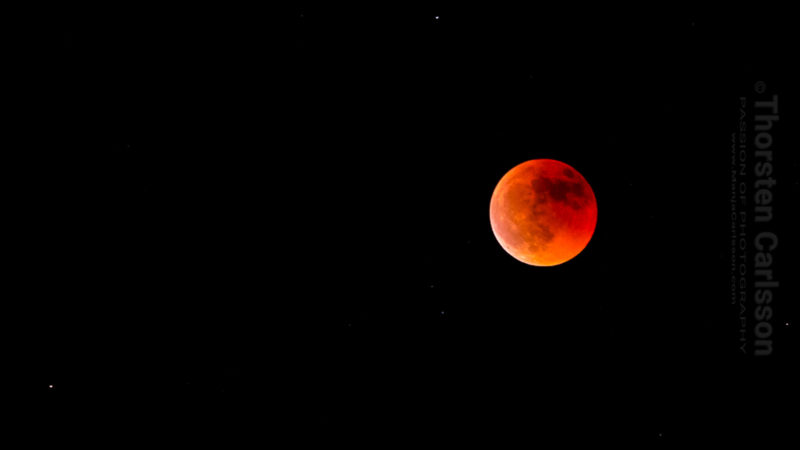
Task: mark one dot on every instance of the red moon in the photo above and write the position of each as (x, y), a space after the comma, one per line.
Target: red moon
(543, 212)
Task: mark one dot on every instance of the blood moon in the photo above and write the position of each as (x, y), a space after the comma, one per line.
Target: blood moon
(543, 212)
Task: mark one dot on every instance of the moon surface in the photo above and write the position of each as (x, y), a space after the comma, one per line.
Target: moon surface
(543, 212)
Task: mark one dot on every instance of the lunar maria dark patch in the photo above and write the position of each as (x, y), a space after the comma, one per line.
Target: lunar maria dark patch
(559, 190)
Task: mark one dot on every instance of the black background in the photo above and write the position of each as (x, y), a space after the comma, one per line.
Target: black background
(242, 220)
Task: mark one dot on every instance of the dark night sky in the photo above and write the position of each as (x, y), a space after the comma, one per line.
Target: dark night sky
(234, 220)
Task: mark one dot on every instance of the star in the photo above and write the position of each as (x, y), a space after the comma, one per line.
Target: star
(50, 386)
